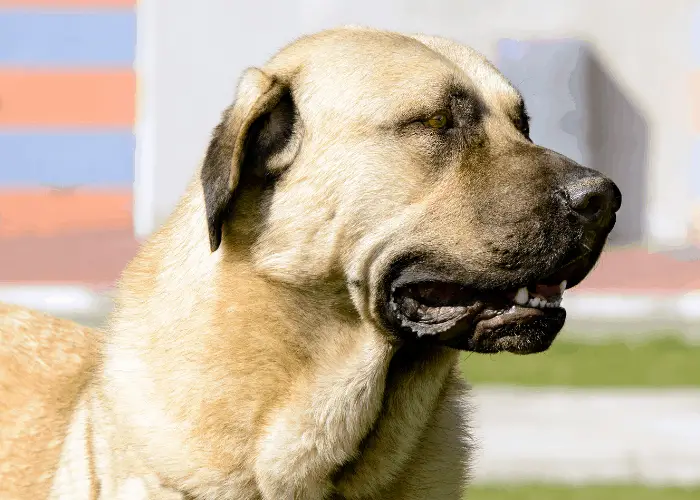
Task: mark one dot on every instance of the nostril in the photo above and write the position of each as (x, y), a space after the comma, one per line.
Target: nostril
(589, 206)
(593, 198)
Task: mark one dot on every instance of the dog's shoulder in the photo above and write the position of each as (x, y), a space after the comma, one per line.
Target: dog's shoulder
(45, 363)
(43, 348)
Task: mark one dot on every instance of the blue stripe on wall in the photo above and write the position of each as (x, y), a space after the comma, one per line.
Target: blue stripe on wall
(31, 38)
(67, 159)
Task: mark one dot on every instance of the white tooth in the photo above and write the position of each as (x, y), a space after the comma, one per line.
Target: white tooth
(522, 296)
(562, 286)
(535, 302)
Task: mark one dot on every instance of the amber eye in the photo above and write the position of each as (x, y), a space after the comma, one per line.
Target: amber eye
(439, 120)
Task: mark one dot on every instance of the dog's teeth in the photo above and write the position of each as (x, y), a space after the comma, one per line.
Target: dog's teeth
(522, 296)
(562, 286)
(535, 302)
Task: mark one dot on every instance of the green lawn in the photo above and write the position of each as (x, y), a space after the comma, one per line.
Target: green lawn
(663, 362)
(584, 493)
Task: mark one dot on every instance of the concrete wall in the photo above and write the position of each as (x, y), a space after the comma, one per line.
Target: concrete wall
(189, 59)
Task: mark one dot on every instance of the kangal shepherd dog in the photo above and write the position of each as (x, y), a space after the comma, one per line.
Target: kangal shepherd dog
(370, 205)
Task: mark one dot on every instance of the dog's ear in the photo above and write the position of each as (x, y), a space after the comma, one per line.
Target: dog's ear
(259, 120)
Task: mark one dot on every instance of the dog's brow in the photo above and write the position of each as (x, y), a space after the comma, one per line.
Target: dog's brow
(437, 99)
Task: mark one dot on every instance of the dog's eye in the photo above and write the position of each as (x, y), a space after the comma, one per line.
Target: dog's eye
(438, 121)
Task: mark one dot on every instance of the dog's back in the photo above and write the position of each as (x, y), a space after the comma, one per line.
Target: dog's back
(45, 363)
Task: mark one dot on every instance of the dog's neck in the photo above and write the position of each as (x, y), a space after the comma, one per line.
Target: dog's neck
(221, 379)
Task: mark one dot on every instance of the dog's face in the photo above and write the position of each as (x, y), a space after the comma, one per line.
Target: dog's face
(402, 166)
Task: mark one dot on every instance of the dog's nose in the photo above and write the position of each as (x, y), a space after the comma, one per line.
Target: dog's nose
(593, 198)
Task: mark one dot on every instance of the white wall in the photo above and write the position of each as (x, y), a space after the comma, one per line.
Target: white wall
(190, 57)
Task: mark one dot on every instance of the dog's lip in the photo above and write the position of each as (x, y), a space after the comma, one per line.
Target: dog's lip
(446, 321)
(491, 318)
(520, 330)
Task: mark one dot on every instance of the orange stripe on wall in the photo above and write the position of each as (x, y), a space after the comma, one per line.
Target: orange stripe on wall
(67, 3)
(43, 98)
(46, 212)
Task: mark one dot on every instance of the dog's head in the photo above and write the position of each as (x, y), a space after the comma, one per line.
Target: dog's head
(402, 166)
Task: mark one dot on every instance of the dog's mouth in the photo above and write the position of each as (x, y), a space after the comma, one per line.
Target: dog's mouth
(481, 321)
(523, 319)
(443, 304)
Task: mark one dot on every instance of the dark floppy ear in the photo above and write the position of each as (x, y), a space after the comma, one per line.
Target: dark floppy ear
(257, 95)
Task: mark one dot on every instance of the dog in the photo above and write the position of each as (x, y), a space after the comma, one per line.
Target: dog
(369, 206)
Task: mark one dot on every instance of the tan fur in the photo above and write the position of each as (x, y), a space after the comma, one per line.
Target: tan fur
(259, 370)
(45, 364)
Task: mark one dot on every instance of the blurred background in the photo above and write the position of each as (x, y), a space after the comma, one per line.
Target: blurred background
(106, 107)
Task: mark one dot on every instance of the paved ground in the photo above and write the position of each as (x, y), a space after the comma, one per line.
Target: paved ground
(587, 436)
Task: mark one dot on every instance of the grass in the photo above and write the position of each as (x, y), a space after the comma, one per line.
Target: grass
(662, 362)
(583, 493)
